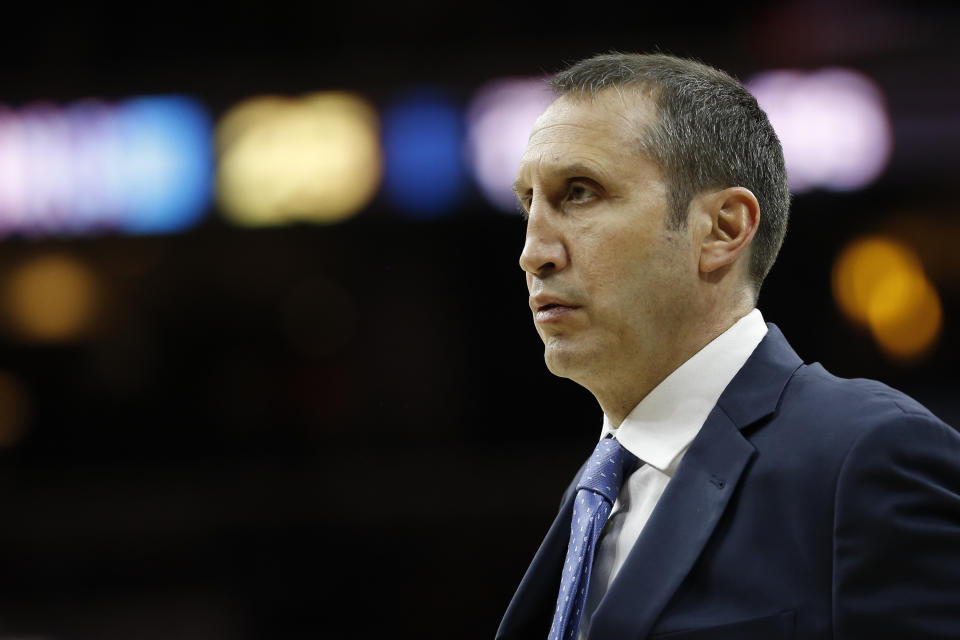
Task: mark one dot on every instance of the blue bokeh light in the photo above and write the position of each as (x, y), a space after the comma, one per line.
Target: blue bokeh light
(424, 174)
(168, 168)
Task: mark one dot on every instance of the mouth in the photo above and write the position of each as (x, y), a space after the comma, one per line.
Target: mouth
(553, 312)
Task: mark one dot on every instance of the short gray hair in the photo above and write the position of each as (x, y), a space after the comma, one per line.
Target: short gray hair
(710, 134)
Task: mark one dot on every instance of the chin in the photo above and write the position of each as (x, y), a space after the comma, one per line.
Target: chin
(564, 362)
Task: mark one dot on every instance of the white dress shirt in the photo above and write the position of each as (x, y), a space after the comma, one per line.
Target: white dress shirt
(658, 431)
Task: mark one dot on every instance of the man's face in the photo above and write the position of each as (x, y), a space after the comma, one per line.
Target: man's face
(610, 284)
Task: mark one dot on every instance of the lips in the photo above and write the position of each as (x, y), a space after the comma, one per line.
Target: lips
(543, 302)
(551, 309)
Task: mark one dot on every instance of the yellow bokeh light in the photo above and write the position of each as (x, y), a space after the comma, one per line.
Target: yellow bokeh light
(862, 266)
(881, 284)
(51, 298)
(283, 160)
(905, 315)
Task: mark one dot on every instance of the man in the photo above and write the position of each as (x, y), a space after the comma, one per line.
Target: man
(764, 498)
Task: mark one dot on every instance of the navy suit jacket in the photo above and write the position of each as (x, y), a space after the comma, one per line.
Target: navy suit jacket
(808, 506)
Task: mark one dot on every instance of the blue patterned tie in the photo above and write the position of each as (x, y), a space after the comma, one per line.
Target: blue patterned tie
(596, 492)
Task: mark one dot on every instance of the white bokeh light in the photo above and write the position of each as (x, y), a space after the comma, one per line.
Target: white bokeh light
(499, 121)
(833, 125)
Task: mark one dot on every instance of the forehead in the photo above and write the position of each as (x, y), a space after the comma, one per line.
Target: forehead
(603, 130)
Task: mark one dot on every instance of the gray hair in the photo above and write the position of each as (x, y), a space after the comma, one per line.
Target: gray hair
(710, 134)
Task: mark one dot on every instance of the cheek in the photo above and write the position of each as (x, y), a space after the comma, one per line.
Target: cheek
(619, 264)
(631, 280)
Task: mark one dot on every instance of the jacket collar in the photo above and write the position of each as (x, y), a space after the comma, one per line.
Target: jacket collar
(696, 497)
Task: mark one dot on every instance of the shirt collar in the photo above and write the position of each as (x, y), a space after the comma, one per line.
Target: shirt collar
(666, 421)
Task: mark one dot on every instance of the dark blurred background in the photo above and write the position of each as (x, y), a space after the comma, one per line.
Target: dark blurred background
(346, 429)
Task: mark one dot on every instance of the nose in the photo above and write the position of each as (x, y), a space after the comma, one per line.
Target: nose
(544, 251)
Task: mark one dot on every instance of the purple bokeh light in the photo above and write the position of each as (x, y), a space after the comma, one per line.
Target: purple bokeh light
(833, 125)
(499, 121)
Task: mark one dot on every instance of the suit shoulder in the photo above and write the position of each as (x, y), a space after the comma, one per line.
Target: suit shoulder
(851, 407)
(818, 384)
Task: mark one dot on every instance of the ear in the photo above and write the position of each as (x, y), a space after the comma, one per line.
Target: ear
(734, 214)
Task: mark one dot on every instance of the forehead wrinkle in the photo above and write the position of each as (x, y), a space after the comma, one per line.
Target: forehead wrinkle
(575, 128)
(578, 158)
(573, 168)
(586, 135)
(582, 136)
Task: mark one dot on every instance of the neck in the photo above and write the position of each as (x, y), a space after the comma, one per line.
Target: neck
(618, 394)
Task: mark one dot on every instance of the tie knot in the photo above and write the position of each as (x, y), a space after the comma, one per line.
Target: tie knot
(607, 468)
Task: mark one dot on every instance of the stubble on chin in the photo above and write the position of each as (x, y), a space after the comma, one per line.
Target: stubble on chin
(551, 355)
(563, 359)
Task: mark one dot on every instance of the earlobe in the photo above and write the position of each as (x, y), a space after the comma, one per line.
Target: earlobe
(734, 215)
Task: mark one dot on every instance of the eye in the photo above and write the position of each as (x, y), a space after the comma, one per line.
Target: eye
(580, 192)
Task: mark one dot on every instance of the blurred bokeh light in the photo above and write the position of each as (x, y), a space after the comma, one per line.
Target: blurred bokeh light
(423, 155)
(143, 166)
(833, 125)
(499, 120)
(167, 164)
(310, 159)
(880, 283)
(51, 298)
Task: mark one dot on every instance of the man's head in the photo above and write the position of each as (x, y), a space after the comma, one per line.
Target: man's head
(709, 133)
(638, 247)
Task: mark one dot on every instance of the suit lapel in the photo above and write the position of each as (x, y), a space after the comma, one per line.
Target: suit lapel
(695, 498)
(677, 531)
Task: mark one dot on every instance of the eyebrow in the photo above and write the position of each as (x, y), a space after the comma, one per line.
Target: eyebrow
(567, 171)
